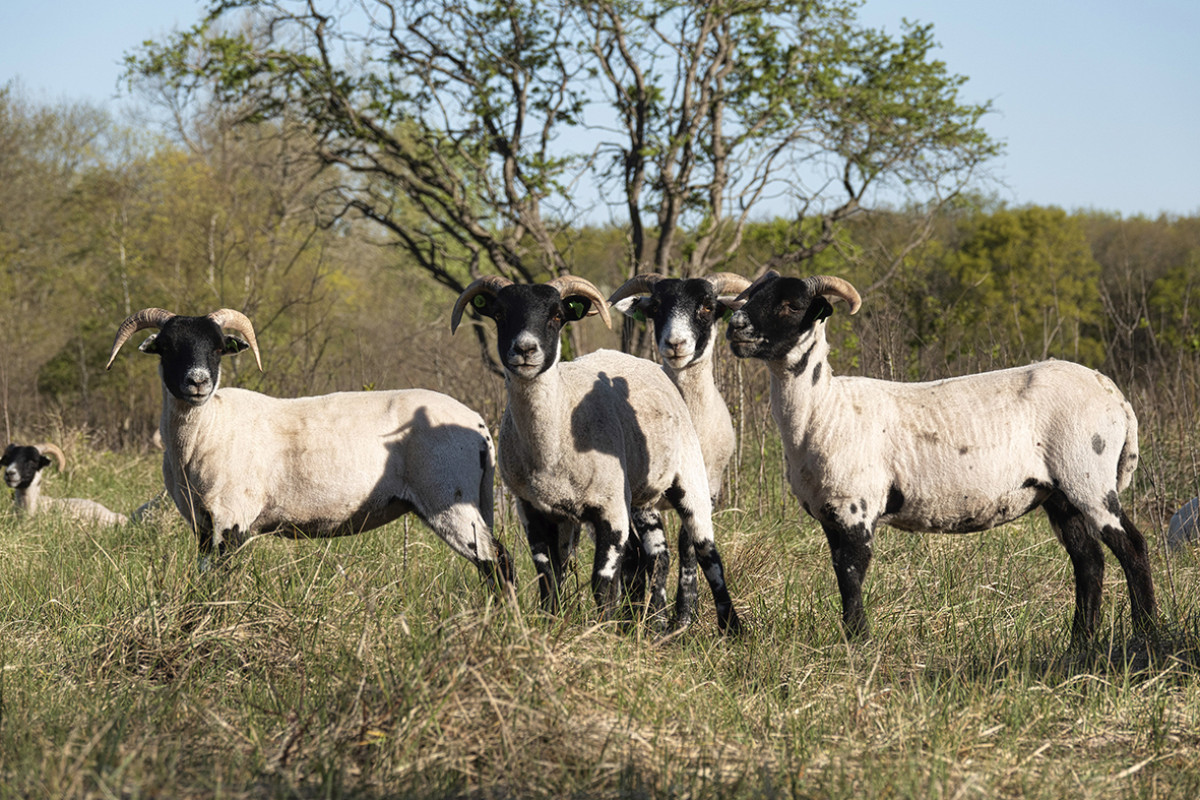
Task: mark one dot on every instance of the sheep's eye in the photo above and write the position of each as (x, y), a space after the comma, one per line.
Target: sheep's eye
(704, 310)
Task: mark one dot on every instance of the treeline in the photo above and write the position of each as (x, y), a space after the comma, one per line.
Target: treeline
(98, 220)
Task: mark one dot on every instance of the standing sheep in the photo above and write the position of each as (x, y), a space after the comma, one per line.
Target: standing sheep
(588, 440)
(953, 456)
(238, 463)
(685, 315)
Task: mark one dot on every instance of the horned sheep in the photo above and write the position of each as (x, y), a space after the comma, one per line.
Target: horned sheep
(957, 455)
(238, 463)
(586, 441)
(23, 465)
(685, 313)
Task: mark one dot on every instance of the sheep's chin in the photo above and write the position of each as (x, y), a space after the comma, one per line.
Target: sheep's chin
(526, 370)
(678, 362)
(746, 348)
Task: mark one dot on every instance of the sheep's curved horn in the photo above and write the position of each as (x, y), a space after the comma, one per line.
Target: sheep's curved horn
(239, 322)
(146, 318)
(838, 287)
(638, 284)
(488, 284)
(52, 450)
(727, 283)
(573, 284)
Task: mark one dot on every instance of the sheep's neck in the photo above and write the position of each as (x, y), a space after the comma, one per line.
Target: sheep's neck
(697, 385)
(801, 384)
(537, 409)
(26, 500)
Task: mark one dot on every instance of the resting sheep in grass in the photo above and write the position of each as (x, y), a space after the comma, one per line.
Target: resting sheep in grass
(1184, 528)
(957, 455)
(23, 465)
(588, 440)
(238, 463)
(685, 315)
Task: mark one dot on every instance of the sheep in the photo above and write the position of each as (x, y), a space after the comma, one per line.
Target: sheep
(954, 456)
(1184, 527)
(685, 315)
(238, 463)
(587, 441)
(23, 465)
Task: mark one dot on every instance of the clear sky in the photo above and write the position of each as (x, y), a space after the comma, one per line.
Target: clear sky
(1098, 101)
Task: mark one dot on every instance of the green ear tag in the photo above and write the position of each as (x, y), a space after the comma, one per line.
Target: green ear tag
(480, 301)
(728, 313)
(576, 308)
(639, 316)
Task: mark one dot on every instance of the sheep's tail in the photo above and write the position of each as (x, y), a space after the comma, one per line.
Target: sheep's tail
(1128, 461)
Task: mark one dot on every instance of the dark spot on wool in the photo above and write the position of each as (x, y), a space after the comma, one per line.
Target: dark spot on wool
(853, 508)
(1112, 503)
(802, 366)
(962, 451)
(1029, 483)
(895, 500)
(675, 494)
(816, 373)
(1097, 443)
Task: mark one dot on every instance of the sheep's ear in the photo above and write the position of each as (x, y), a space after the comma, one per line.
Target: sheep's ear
(43, 461)
(148, 346)
(578, 307)
(728, 304)
(634, 306)
(484, 305)
(820, 309)
(234, 345)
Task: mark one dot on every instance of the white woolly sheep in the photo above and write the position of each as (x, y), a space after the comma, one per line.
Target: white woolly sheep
(957, 455)
(23, 465)
(588, 440)
(238, 463)
(1184, 528)
(685, 315)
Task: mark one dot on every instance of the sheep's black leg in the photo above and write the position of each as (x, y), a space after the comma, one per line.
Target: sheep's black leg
(648, 557)
(687, 594)
(633, 570)
(700, 546)
(1129, 546)
(1088, 560)
(542, 534)
(610, 548)
(850, 547)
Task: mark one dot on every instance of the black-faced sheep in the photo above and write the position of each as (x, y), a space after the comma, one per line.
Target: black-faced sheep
(238, 463)
(957, 455)
(685, 313)
(23, 465)
(588, 440)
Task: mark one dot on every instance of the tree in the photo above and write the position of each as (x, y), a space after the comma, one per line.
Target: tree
(1023, 285)
(467, 130)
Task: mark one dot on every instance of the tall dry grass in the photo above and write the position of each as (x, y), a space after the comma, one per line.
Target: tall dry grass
(379, 666)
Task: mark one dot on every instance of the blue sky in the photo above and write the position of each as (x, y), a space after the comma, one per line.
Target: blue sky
(1098, 102)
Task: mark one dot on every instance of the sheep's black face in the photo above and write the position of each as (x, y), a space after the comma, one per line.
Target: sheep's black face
(776, 315)
(21, 465)
(189, 351)
(684, 312)
(529, 318)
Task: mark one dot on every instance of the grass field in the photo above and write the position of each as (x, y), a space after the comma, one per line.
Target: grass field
(379, 666)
